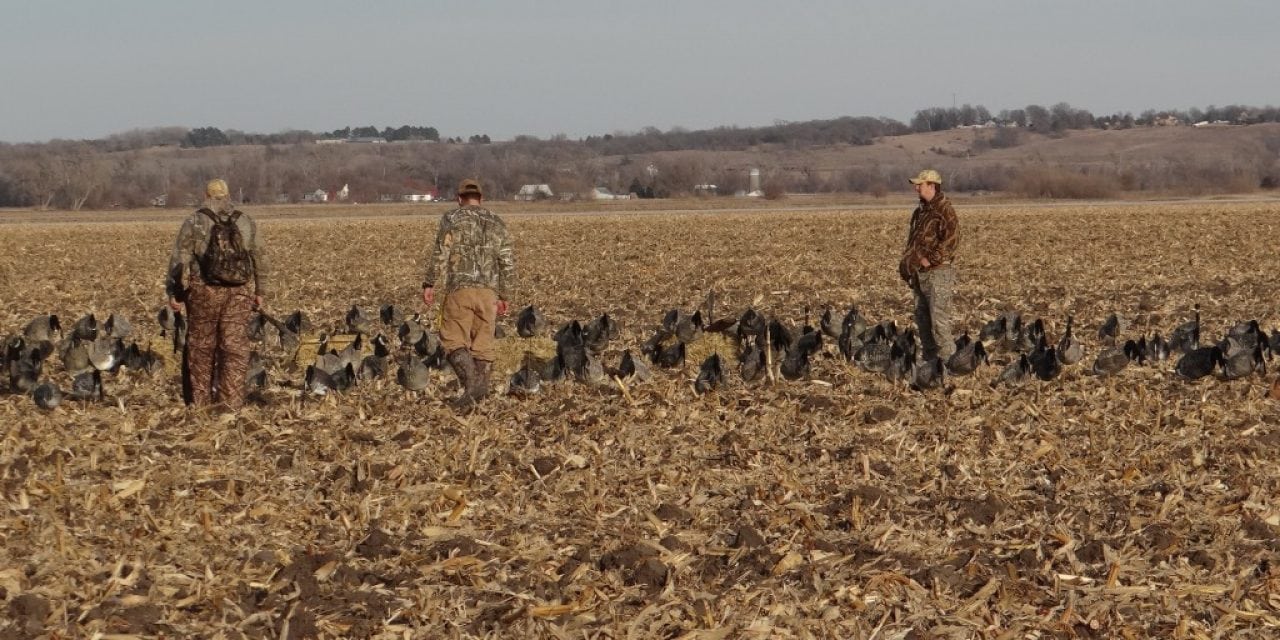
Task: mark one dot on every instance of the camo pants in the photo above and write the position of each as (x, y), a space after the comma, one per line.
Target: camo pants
(470, 320)
(216, 361)
(933, 290)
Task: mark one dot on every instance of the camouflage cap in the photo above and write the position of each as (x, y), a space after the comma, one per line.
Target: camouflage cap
(216, 189)
(470, 186)
(928, 175)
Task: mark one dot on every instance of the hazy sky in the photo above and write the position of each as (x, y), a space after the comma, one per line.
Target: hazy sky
(76, 69)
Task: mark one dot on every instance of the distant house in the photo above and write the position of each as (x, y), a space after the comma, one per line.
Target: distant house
(344, 193)
(531, 192)
(417, 196)
(603, 193)
(706, 190)
(161, 200)
(319, 195)
(367, 140)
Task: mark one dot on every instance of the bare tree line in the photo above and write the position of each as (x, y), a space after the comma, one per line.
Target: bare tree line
(142, 167)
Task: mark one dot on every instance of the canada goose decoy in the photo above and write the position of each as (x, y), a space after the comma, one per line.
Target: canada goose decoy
(848, 343)
(527, 380)
(993, 330)
(117, 326)
(42, 328)
(751, 324)
(47, 396)
(256, 375)
(530, 322)
(633, 368)
(672, 356)
(106, 353)
(779, 336)
(1110, 329)
(86, 328)
(571, 349)
(1015, 374)
(710, 374)
(1157, 349)
(1244, 363)
(1012, 331)
(357, 321)
(319, 382)
(1113, 360)
(297, 322)
(689, 328)
(827, 324)
(410, 333)
(257, 329)
(179, 332)
(1044, 361)
(374, 366)
(87, 385)
(391, 315)
(875, 357)
(907, 343)
(75, 356)
(593, 372)
(598, 332)
(900, 364)
(135, 359)
(927, 374)
(352, 353)
(1070, 351)
(165, 318)
(751, 362)
(1031, 336)
(853, 323)
(967, 357)
(1186, 337)
(795, 362)
(413, 374)
(1274, 341)
(1199, 362)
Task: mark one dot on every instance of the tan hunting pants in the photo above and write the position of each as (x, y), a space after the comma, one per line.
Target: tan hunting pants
(470, 319)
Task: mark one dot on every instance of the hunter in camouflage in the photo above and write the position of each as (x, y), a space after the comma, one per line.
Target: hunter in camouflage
(216, 360)
(926, 264)
(473, 253)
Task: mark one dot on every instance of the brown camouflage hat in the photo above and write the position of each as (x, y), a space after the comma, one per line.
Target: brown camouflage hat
(928, 175)
(470, 187)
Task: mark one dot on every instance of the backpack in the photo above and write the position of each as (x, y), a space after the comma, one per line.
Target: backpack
(225, 262)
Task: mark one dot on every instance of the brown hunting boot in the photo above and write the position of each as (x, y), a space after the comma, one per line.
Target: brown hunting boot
(464, 366)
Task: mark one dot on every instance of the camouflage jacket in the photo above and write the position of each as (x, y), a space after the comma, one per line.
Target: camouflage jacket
(934, 235)
(193, 238)
(472, 249)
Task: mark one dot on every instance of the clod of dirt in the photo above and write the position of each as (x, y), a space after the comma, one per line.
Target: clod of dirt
(652, 573)
(746, 537)
(545, 465)
(668, 512)
(878, 414)
(29, 612)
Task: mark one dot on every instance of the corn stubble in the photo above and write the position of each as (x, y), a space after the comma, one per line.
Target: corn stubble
(1138, 505)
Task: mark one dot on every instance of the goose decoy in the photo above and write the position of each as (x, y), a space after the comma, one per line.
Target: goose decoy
(689, 328)
(853, 323)
(297, 322)
(1156, 349)
(1031, 335)
(710, 374)
(527, 380)
(1012, 331)
(672, 356)
(1113, 360)
(1070, 351)
(907, 343)
(751, 324)
(751, 362)
(848, 343)
(106, 353)
(827, 324)
(968, 356)
(256, 376)
(1273, 342)
(900, 364)
(1244, 363)
(1044, 361)
(593, 372)
(179, 332)
(795, 362)
(87, 385)
(410, 333)
(598, 332)
(779, 336)
(352, 353)
(257, 329)
(321, 382)
(530, 322)
(426, 344)
(927, 374)
(75, 356)
(1248, 334)
(875, 357)
(374, 365)
(357, 321)
(47, 396)
(571, 349)
(633, 368)
(993, 330)
(1199, 362)
(117, 326)
(165, 318)
(1110, 329)
(43, 328)
(1015, 374)
(135, 359)
(86, 328)
(391, 315)
(1186, 337)
(413, 374)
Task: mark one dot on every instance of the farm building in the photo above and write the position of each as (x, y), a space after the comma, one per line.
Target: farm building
(531, 192)
(319, 195)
